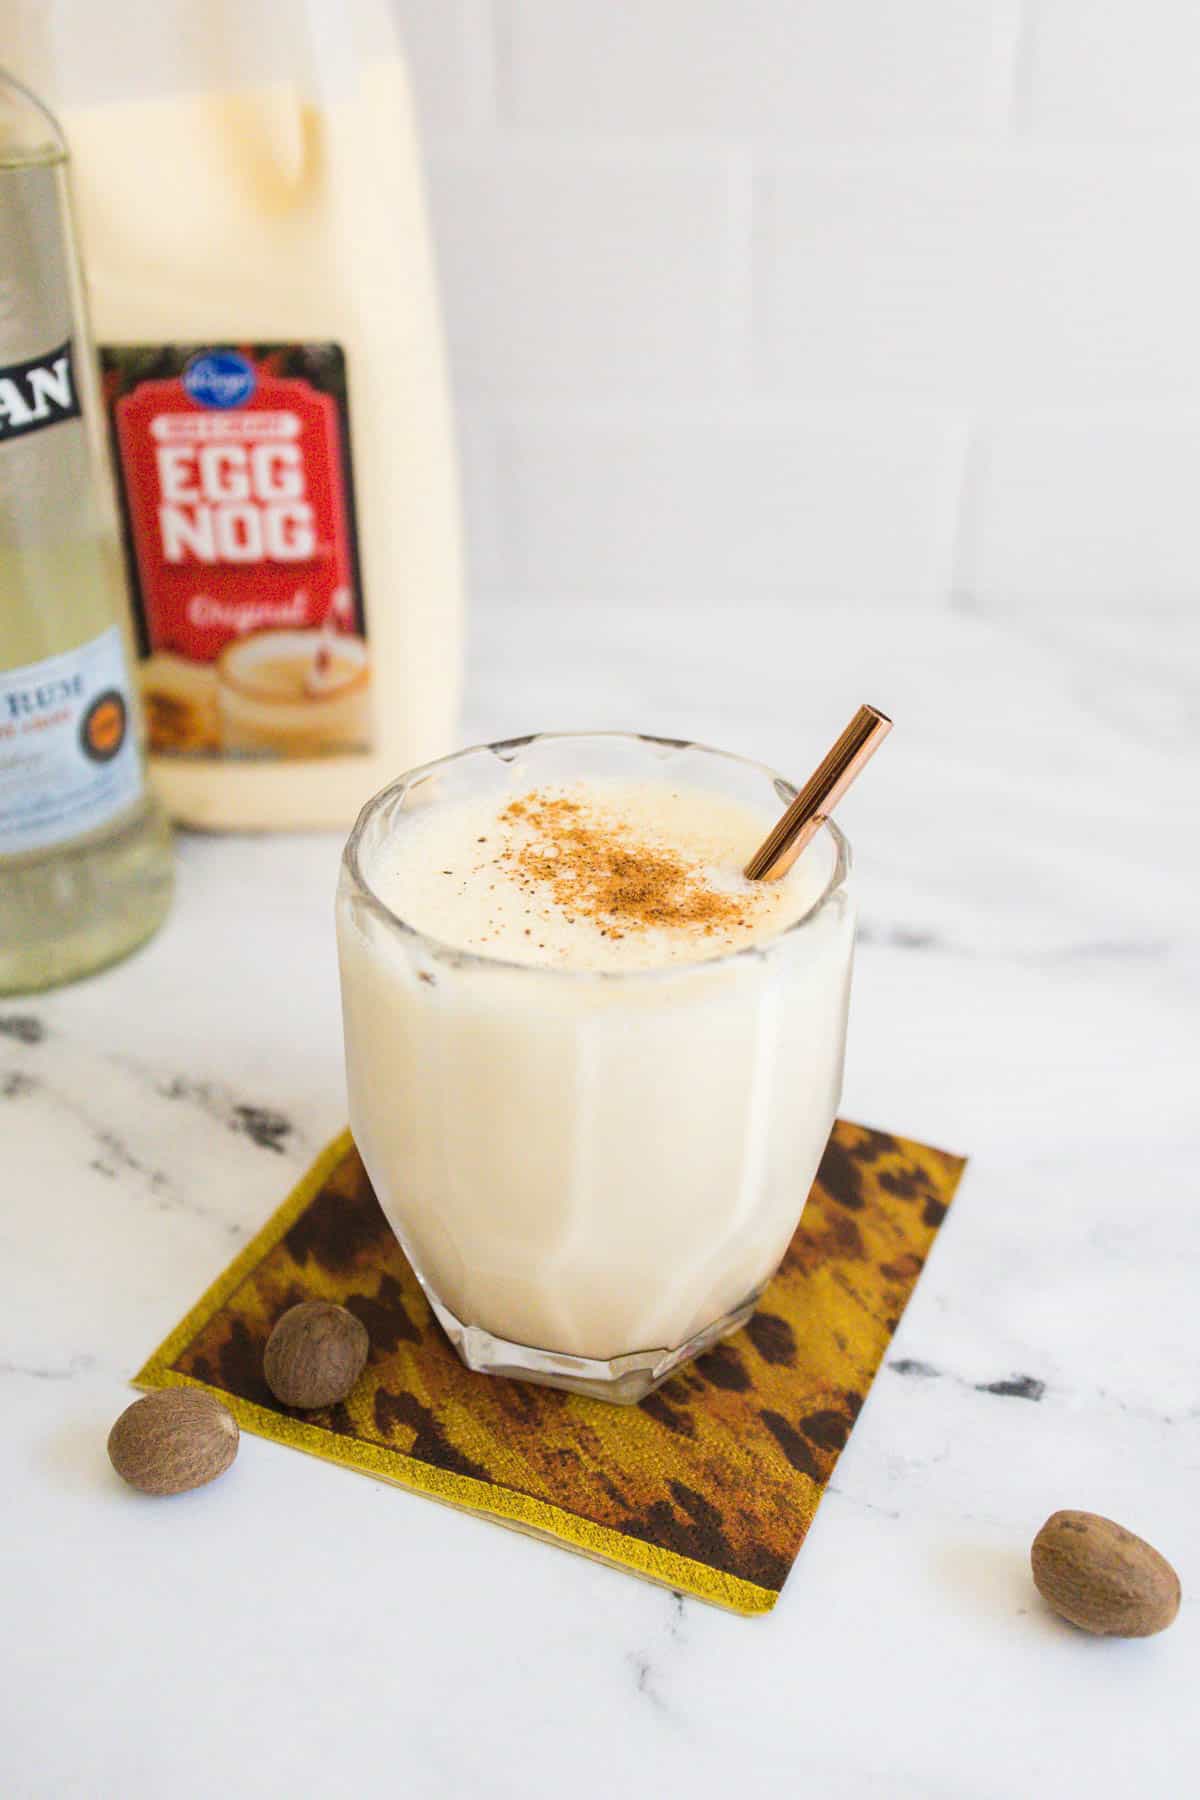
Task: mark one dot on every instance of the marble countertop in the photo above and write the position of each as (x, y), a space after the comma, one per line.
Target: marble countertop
(1025, 992)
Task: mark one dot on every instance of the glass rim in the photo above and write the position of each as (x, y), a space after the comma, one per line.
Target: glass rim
(447, 952)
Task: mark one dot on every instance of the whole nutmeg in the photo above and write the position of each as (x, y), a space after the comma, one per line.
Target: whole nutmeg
(315, 1354)
(173, 1440)
(1103, 1578)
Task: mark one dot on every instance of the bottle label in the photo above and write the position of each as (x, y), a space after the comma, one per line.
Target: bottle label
(68, 755)
(237, 489)
(37, 393)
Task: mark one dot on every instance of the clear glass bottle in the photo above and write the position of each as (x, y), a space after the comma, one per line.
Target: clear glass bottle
(85, 853)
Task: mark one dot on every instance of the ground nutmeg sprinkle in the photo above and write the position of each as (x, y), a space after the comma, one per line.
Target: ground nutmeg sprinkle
(594, 870)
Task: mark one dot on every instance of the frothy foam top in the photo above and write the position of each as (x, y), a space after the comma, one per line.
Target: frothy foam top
(605, 874)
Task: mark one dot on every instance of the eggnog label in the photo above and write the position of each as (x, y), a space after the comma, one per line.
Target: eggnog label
(236, 483)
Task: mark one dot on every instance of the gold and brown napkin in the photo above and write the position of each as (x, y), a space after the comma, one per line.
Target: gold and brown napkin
(707, 1486)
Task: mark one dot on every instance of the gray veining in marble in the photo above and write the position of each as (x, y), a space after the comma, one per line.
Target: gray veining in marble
(1026, 991)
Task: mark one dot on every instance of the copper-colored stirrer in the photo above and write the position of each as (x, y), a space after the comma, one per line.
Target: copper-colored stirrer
(819, 795)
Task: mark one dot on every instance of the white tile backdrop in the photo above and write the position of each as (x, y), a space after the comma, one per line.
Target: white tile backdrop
(836, 302)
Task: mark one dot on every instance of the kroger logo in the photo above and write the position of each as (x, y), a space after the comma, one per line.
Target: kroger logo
(219, 378)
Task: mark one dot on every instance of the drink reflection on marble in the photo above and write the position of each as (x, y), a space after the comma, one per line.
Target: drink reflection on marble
(592, 1069)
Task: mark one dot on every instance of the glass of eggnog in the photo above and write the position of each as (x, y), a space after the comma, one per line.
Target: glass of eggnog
(592, 1069)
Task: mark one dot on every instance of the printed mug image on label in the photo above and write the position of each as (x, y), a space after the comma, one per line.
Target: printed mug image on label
(68, 759)
(237, 495)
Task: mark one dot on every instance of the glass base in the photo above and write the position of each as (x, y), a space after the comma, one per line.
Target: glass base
(624, 1379)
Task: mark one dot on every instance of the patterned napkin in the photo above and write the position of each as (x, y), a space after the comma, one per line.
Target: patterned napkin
(708, 1486)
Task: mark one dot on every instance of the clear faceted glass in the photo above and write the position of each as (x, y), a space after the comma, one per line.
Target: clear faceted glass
(593, 1174)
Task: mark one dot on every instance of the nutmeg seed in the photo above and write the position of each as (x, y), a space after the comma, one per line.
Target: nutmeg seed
(315, 1354)
(1103, 1578)
(173, 1440)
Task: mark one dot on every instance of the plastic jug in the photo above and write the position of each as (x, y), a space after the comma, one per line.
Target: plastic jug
(248, 192)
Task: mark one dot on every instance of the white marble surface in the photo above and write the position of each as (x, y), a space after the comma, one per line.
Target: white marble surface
(1026, 992)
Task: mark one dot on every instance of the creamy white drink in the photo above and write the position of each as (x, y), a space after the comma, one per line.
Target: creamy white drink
(591, 1068)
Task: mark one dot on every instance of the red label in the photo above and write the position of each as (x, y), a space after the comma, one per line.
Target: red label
(235, 473)
(238, 514)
